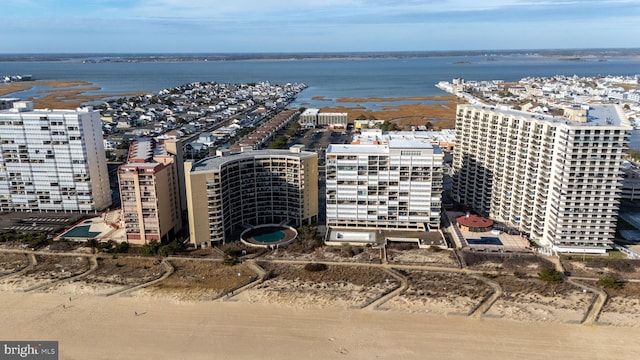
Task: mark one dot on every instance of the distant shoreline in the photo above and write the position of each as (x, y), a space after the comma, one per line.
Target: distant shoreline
(301, 56)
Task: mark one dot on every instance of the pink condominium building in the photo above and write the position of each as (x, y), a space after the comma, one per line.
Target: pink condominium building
(152, 190)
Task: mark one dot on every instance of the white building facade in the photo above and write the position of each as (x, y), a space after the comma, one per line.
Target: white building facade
(316, 117)
(52, 160)
(557, 181)
(391, 183)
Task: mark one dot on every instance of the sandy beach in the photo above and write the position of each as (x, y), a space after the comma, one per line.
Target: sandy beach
(128, 307)
(94, 327)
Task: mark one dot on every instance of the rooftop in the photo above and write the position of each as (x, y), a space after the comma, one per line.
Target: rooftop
(214, 162)
(474, 221)
(598, 115)
(316, 111)
(377, 142)
(21, 107)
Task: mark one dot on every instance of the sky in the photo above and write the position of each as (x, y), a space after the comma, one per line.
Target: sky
(255, 26)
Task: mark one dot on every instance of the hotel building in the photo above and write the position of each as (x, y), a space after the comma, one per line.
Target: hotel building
(556, 179)
(389, 181)
(52, 160)
(228, 194)
(151, 190)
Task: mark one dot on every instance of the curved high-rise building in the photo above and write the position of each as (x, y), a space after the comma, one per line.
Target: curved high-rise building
(227, 194)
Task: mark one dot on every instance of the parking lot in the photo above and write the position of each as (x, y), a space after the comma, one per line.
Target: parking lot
(37, 221)
(318, 140)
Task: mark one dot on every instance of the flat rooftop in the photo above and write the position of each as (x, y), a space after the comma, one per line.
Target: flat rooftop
(597, 115)
(372, 236)
(26, 107)
(214, 162)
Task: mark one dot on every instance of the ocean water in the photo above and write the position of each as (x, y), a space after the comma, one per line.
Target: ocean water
(330, 78)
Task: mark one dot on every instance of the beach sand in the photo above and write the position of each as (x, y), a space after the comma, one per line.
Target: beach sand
(95, 327)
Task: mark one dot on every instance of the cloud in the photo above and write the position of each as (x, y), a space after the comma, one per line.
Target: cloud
(325, 25)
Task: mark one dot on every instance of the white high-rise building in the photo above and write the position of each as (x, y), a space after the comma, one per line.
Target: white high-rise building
(556, 179)
(384, 181)
(52, 160)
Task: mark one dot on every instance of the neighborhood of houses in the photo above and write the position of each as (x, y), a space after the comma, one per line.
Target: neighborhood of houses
(185, 111)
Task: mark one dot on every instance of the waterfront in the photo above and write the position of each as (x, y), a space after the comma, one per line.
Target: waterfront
(327, 78)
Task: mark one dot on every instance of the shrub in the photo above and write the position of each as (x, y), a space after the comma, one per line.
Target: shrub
(151, 249)
(621, 265)
(550, 275)
(230, 257)
(489, 275)
(347, 250)
(123, 247)
(611, 282)
(315, 267)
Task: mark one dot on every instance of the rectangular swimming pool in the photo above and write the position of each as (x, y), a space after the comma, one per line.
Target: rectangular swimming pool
(485, 240)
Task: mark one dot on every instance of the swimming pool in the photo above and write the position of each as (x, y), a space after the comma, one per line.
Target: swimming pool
(80, 232)
(485, 240)
(268, 235)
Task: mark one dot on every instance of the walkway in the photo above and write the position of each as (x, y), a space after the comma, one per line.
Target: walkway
(591, 316)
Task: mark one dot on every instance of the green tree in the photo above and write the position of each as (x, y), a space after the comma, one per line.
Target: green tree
(389, 126)
(123, 145)
(279, 143)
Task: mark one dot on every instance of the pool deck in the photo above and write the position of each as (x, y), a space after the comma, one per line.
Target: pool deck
(510, 243)
(514, 243)
(104, 224)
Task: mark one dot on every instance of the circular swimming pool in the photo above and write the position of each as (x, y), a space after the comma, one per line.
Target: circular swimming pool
(268, 235)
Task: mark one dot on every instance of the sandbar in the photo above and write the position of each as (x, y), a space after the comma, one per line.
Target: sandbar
(60, 94)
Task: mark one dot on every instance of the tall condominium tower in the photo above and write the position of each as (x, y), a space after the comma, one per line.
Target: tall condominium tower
(226, 194)
(151, 190)
(52, 160)
(556, 179)
(384, 181)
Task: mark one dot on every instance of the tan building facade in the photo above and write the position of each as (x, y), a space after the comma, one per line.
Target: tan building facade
(227, 194)
(151, 194)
